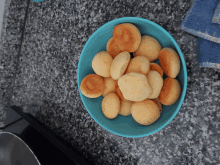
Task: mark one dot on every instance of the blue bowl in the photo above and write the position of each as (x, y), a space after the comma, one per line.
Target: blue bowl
(127, 126)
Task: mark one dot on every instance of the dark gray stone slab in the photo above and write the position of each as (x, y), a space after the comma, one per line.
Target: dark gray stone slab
(46, 84)
(9, 46)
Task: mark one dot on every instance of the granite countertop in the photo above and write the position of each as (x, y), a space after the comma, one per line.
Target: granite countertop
(42, 80)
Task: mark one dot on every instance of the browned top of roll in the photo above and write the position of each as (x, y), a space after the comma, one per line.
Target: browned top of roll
(170, 92)
(170, 62)
(92, 86)
(156, 67)
(127, 37)
(112, 48)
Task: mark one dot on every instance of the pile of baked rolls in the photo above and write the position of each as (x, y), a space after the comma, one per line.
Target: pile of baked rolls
(133, 86)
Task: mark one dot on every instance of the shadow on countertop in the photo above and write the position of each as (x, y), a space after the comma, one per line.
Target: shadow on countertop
(83, 136)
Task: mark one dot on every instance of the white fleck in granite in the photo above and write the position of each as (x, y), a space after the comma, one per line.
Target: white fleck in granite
(46, 85)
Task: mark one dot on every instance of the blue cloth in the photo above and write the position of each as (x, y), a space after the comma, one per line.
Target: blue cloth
(198, 21)
(216, 17)
(209, 53)
(37, 0)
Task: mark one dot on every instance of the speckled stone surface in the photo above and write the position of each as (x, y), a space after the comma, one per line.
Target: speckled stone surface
(9, 45)
(46, 84)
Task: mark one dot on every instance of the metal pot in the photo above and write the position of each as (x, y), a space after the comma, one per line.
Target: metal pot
(14, 151)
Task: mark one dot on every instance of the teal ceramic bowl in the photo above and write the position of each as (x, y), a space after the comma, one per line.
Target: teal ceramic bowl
(126, 126)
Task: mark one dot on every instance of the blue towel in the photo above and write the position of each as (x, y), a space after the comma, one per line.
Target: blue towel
(209, 53)
(37, 0)
(216, 17)
(198, 21)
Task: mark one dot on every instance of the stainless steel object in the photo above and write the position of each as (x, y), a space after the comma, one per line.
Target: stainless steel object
(14, 151)
(25, 139)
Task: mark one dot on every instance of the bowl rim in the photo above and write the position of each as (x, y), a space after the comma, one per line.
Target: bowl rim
(184, 89)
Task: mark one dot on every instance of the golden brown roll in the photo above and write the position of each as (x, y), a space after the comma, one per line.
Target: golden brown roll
(169, 62)
(156, 83)
(101, 64)
(127, 36)
(120, 95)
(139, 64)
(110, 86)
(156, 67)
(157, 101)
(145, 112)
(92, 86)
(134, 86)
(170, 92)
(125, 109)
(149, 48)
(112, 48)
(111, 105)
(119, 65)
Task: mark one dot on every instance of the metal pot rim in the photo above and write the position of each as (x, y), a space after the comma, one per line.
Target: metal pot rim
(15, 136)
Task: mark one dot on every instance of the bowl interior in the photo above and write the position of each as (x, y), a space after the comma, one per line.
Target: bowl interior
(126, 126)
